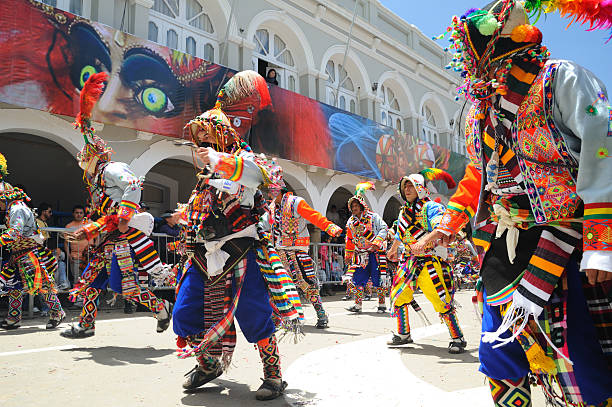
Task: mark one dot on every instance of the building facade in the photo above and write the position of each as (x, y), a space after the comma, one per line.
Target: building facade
(354, 55)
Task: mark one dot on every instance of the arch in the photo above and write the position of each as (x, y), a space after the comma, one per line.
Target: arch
(347, 181)
(437, 108)
(46, 169)
(391, 210)
(298, 178)
(356, 69)
(401, 89)
(44, 125)
(158, 152)
(219, 12)
(291, 32)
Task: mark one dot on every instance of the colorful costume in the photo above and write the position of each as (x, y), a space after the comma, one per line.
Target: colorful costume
(538, 192)
(365, 249)
(429, 270)
(114, 193)
(291, 239)
(230, 270)
(31, 266)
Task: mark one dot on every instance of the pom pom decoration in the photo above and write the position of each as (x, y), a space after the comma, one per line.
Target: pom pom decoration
(3, 167)
(433, 174)
(364, 186)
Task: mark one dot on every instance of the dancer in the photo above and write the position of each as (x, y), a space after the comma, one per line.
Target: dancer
(31, 266)
(288, 216)
(229, 268)
(366, 235)
(428, 269)
(538, 192)
(114, 194)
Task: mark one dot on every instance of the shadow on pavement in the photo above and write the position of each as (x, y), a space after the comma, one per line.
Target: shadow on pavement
(226, 392)
(439, 351)
(309, 329)
(119, 355)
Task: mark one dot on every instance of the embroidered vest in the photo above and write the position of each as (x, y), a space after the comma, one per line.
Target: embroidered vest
(287, 224)
(548, 171)
(362, 229)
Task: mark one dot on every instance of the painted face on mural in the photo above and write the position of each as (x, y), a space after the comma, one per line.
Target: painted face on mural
(141, 83)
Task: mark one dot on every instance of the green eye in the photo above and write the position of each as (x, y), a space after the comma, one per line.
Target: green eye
(154, 99)
(86, 72)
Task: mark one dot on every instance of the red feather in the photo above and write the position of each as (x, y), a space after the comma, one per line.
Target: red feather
(89, 96)
(450, 182)
(264, 94)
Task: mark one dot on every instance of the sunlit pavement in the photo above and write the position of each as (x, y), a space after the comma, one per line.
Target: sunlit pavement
(128, 364)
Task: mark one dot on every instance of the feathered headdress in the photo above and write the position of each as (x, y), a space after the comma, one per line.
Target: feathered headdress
(487, 39)
(3, 167)
(243, 86)
(436, 174)
(360, 194)
(419, 180)
(94, 145)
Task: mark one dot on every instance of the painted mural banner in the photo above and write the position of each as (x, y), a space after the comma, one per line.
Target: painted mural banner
(47, 54)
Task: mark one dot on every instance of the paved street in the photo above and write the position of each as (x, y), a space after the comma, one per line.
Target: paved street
(128, 364)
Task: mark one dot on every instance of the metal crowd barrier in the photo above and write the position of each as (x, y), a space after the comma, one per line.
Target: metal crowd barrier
(328, 259)
(72, 268)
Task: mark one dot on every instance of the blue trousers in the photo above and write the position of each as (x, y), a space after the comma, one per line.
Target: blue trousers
(103, 280)
(590, 368)
(253, 312)
(363, 274)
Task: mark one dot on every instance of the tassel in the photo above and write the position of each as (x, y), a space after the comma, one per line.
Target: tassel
(513, 317)
(539, 362)
(492, 171)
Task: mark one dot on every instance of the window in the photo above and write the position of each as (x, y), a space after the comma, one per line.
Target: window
(153, 32)
(197, 18)
(169, 8)
(52, 3)
(272, 52)
(390, 108)
(292, 83)
(172, 39)
(190, 46)
(430, 132)
(76, 7)
(209, 53)
(184, 26)
(340, 81)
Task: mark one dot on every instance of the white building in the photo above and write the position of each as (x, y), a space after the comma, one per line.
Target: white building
(390, 72)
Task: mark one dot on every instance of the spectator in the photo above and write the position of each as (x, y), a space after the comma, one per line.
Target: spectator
(44, 215)
(144, 208)
(170, 225)
(333, 215)
(271, 77)
(76, 252)
(337, 269)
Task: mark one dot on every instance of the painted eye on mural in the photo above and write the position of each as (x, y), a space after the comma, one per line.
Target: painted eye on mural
(86, 72)
(154, 100)
(237, 121)
(91, 54)
(155, 87)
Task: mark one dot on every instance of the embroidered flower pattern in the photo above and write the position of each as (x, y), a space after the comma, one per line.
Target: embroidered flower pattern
(602, 96)
(602, 153)
(591, 110)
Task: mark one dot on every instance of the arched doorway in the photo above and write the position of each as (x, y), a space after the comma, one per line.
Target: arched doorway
(391, 211)
(169, 182)
(48, 172)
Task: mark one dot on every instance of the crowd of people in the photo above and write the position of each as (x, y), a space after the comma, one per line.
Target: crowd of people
(536, 196)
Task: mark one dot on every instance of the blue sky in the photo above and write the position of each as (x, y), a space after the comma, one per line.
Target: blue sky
(585, 48)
